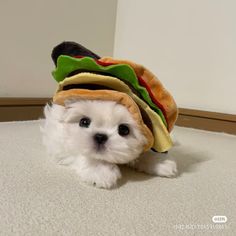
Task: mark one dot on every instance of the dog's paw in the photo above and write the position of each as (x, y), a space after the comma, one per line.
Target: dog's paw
(166, 168)
(155, 165)
(102, 176)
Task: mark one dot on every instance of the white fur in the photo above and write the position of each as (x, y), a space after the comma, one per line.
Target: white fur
(155, 164)
(73, 145)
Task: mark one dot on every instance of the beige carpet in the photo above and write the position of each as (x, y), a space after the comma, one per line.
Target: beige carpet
(40, 198)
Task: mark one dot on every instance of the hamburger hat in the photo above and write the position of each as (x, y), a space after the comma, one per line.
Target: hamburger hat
(81, 74)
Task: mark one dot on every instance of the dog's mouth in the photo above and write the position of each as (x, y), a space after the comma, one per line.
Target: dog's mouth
(100, 148)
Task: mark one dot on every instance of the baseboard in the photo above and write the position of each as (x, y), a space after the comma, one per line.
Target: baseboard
(14, 109)
(17, 109)
(205, 120)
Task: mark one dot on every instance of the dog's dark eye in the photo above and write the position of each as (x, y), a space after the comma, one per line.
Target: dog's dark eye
(123, 130)
(84, 122)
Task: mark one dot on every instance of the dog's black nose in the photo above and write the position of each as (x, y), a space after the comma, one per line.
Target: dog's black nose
(100, 138)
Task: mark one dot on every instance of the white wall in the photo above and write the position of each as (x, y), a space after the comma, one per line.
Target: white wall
(190, 45)
(30, 28)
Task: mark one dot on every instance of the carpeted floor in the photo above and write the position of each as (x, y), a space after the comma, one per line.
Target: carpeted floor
(39, 198)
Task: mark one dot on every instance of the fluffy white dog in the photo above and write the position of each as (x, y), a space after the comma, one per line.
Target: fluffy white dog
(92, 137)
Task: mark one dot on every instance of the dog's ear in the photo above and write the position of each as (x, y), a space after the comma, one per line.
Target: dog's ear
(71, 49)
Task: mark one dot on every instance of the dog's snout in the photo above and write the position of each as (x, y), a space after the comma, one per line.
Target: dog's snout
(100, 138)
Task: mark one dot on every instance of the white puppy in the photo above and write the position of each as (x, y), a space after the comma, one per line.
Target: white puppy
(93, 137)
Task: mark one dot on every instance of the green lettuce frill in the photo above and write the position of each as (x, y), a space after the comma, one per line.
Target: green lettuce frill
(67, 64)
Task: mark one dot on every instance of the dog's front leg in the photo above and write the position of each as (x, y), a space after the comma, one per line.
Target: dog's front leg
(96, 172)
(155, 164)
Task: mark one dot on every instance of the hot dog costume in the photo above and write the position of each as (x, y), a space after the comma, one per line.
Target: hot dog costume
(81, 74)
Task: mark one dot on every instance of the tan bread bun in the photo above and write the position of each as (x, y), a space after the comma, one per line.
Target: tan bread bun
(108, 95)
(158, 90)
